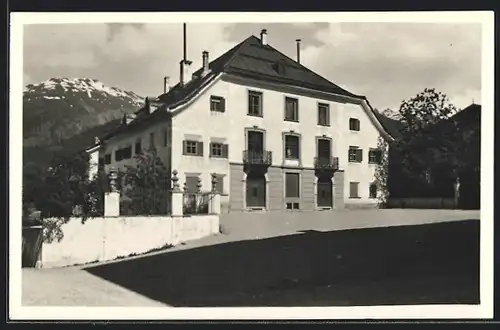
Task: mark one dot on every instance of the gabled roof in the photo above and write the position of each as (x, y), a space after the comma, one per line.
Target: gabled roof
(248, 59)
(252, 59)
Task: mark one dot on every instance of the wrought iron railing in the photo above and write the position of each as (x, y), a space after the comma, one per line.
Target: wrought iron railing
(328, 163)
(197, 203)
(258, 157)
(145, 202)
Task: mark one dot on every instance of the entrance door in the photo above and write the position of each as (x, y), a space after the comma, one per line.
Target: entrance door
(256, 191)
(325, 195)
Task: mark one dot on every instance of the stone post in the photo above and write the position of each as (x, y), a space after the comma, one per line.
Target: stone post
(215, 202)
(112, 198)
(177, 196)
(199, 196)
(456, 195)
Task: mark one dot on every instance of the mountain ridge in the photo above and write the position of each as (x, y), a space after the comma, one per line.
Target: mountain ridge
(57, 109)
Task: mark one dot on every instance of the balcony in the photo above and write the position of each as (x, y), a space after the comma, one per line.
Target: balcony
(257, 157)
(326, 163)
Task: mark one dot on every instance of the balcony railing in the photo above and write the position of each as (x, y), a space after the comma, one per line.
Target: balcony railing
(326, 163)
(257, 157)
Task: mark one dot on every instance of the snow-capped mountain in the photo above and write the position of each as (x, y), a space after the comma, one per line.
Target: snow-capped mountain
(391, 114)
(59, 108)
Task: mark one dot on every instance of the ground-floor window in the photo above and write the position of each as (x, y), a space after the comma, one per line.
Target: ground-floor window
(353, 189)
(191, 184)
(373, 190)
(219, 185)
(292, 185)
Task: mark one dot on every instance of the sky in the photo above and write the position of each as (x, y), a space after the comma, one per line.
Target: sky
(386, 62)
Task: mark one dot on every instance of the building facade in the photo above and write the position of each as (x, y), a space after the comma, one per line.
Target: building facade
(278, 136)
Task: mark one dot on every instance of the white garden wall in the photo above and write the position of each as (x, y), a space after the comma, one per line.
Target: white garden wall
(100, 239)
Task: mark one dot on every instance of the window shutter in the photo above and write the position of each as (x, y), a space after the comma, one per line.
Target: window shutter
(225, 150)
(360, 155)
(200, 148)
(378, 156)
(222, 104)
(184, 147)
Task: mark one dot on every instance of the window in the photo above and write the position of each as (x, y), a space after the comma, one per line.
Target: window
(165, 137)
(218, 150)
(323, 114)
(353, 190)
(355, 154)
(192, 148)
(374, 156)
(138, 147)
(280, 67)
(373, 190)
(292, 147)
(217, 104)
(151, 140)
(292, 206)
(255, 104)
(107, 159)
(219, 185)
(291, 109)
(101, 162)
(354, 124)
(118, 155)
(292, 185)
(191, 184)
(127, 152)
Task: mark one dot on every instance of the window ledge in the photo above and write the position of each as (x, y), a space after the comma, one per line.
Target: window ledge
(324, 125)
(291, 121)
(258, 116)
(354, 197)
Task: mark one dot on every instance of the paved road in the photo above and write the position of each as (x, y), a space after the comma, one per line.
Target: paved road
(321, 262)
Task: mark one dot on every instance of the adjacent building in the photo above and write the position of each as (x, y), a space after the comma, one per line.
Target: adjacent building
(278, 135)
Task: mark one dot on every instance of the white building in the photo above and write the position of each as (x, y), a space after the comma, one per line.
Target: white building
(278, 135)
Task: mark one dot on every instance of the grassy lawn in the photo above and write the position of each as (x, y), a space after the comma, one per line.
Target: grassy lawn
(432, 263)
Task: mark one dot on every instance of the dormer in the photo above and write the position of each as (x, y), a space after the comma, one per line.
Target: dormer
(280, 67)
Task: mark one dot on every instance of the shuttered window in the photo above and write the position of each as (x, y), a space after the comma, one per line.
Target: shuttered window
(192, 148)
(355, 154)
(218, 150)
(292, 185)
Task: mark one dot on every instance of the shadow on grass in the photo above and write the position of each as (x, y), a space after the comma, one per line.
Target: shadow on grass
(436, 263)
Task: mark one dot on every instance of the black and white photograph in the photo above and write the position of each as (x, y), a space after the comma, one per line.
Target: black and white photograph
(177, 165)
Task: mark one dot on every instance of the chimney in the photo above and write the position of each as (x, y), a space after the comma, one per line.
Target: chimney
(166, 81)
(184, 64)
(263, 37)
(184, 40)
(96, 140)
(298, 50)
(206, 62)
